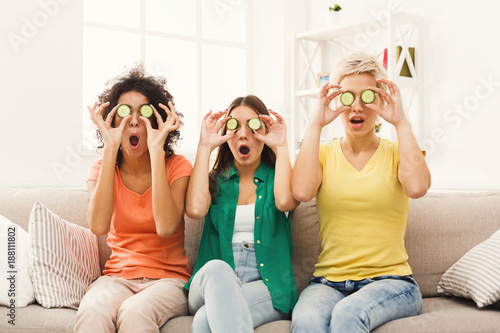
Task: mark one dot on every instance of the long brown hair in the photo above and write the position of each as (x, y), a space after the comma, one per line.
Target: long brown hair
(224, 156)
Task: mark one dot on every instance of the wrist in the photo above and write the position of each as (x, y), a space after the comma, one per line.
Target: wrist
(403, 126)
(281, 150)
(156, 153)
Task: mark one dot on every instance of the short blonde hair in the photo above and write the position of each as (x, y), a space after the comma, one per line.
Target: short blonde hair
(359, 63)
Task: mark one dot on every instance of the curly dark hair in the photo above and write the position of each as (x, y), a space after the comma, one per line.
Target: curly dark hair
(224, 155)
(153, 88)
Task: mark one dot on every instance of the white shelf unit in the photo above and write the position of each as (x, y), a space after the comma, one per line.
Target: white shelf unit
(316, 51)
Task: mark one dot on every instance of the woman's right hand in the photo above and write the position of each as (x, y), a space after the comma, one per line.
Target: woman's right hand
(112, 136)
(210, 128)
(323, 115)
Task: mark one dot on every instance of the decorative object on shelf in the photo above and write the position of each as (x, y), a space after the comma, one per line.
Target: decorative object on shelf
(405, 70)
(335, 8)
(334, 13)
(322, 79)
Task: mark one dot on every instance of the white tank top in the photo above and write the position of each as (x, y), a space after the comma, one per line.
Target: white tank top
(244, 223)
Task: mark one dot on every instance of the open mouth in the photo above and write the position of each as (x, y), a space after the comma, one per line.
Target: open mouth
(134, 141)
(244, 150)
(356, 120)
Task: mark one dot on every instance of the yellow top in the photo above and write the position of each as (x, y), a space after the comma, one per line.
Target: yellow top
(362, 215)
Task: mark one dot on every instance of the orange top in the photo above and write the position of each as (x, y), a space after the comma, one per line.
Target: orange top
(137, 250)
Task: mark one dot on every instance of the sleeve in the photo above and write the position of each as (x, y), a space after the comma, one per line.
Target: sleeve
(178, 166)
(322, 153)
(396, 152)
(94, 171)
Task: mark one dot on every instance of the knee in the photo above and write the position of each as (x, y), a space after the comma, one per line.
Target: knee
(306, 318)
(131, 310)
(94, 318)
(217, 272)
(348, 315)
(216, 267)
(200, 321)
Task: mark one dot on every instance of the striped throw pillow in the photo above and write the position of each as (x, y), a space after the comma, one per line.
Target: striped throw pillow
(64, 259)
(476, 275)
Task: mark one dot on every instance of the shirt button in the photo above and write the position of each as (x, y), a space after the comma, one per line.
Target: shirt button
(267, 280)
(256, 180)
(258, 242)
(260, 196)
(258, 217)
(261, 265)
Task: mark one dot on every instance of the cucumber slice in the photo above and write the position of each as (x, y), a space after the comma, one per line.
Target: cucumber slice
(123, 110)
(146, 110)
(368, 96)
(347, 98)
(254, 123)
(232, 124)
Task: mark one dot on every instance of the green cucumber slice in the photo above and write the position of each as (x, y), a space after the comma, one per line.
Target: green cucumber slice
(368, 96)
(254, 123)
(232, 124)
(123, 110)
(146, 110)
(347, 98)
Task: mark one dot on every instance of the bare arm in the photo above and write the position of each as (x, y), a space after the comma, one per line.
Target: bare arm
(198, 195)
(101, 191)
(168, 200)
(307, 173)
(413, 172)
(276, 140)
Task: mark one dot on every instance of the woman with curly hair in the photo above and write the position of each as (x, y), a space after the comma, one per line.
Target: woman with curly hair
(243, 275)
(137, 193)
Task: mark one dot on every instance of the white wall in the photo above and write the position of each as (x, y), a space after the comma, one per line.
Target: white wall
(461, 84)
(41, 86)
(42, 83)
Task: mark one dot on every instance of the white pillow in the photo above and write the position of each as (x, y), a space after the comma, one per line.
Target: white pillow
(476, 275)
(64, 259)
(15, 282)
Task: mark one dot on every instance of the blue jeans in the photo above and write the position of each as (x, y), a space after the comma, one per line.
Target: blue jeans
(227, 300)
(355, 306)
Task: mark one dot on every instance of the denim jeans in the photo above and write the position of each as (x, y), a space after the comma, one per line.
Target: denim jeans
(227, 300)
(355, 306)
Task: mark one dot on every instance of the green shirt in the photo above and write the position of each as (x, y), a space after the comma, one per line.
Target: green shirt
(272, 235)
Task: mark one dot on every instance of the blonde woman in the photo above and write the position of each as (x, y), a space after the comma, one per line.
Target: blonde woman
(362, 184)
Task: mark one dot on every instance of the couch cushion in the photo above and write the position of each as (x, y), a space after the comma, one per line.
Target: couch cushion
(14, 246)
(68, 203)
(440, 314)
(36, 319)
(442, 227)
(63, 259)
(306, 242)
(477, 274)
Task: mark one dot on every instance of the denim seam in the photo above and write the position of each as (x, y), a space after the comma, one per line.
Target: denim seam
(414, 287)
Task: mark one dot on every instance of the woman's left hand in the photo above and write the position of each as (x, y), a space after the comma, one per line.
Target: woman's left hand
(393, 111)
(276, 131)
(157, 137)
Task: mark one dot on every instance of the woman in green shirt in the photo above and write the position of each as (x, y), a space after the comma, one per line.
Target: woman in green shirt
(243, 276)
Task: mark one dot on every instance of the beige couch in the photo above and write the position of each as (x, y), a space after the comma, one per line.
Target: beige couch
(441, 228)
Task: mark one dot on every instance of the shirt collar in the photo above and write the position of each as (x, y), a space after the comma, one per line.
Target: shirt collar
(261, 174)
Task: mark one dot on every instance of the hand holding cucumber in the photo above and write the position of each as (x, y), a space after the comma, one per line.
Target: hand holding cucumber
(393, 111)
(276, 131)
(110, 135)
(324, 114)
(211, 125)
(157, 137)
